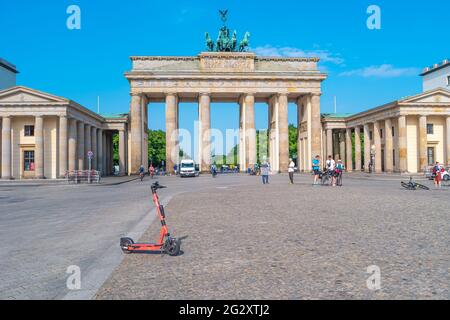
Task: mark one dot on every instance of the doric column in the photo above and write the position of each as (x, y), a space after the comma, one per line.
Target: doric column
(377, 142)
(94, 147)
(72, 154)
(329, 143)
(283, 131)
(316, 127)
(104, 154)
(274, 153)
(100, 153)
(423, 142)
(367, 147)
(388, 146)
(80, 145)
(349, 150)
(447, 143)
(136, 132)
(39, 147)
(63, 151)
(402, 144)
(357, 148)
(336, 144)
(6, 148)
(249, 105)
(204, 132)
(87, 145)
(171, 131)
(122, 151)
(299, 140)
(108, 153)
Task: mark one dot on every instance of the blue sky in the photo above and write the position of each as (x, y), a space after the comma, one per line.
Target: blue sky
(366, 68)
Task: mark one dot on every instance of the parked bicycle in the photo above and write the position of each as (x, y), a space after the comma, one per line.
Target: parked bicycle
(411, 185)
(326, 177)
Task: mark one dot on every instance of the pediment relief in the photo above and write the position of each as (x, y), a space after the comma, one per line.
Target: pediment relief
(437, 96)
(24, 96)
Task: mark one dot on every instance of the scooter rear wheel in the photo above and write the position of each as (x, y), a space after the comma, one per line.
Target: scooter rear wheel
(173, 247)
(124, 243)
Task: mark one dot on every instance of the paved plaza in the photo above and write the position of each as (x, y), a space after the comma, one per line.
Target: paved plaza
(282, 241)
(241, 239)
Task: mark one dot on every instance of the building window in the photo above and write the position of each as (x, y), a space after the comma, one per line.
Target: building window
(430, 128)
(393, 157)
(430, 153)
(393, 131)
(29, 131)
(370, 135)
(381, 133)
(28, 160)
(448, 81)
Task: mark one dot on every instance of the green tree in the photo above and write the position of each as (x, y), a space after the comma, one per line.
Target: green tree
(293, 134)
(156, 147)
(115, 141)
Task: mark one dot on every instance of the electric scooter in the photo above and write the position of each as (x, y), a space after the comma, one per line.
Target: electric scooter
(166, 244)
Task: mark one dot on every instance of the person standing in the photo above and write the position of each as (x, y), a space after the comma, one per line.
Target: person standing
(316, 169)
(291, 170)
(330, 167)
(265, 168)
(437, 171)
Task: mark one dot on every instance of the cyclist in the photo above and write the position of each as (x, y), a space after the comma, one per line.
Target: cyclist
(141, 172)
(338, 171)
(316, 169)
(213, 170)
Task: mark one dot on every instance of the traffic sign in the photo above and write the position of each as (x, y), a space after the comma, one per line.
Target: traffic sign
(90, 154)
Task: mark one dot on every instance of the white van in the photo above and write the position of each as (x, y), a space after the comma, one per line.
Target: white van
(187, 168)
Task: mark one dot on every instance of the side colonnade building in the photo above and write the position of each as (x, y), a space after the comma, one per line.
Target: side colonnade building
(43, 136)
(403, 136)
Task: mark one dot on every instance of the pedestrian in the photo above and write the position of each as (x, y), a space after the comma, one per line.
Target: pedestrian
(175, 167)
(330, 167)
(437, 171)
(291, 170)
(316, 169)
(265, 168)
(339, 171)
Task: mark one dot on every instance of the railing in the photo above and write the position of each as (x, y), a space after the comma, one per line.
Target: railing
(83, 176)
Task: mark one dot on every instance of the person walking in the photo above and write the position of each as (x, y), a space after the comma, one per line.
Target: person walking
(291, 170)
(339, 171)
(316, 169)
(265, 168)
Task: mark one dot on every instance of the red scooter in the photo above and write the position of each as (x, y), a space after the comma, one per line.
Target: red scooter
(166, 244)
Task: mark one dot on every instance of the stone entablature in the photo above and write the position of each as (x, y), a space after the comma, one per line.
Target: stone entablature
(224, 62)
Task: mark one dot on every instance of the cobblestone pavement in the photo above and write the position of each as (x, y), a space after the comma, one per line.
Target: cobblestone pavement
(45, 229)
(282, 241)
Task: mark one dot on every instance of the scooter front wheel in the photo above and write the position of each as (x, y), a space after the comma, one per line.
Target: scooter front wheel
(172, 247)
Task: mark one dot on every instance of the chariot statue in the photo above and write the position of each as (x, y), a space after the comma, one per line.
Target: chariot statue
(225, 42)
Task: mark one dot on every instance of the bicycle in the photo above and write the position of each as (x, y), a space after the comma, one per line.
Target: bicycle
(326, 177)
(411, 185)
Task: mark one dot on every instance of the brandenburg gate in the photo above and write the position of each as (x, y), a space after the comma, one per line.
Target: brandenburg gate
(228, 73)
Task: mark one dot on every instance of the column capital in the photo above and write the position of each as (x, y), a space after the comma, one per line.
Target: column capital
(315, 94)
(135, 94)
(204, 94)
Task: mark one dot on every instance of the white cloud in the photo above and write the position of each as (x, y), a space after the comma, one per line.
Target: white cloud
(323, 55)
(381, 71)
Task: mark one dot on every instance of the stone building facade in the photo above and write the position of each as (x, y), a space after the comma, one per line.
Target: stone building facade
(402, 136)
(43, 136)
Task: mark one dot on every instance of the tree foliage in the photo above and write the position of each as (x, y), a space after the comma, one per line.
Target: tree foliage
(156, 147)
